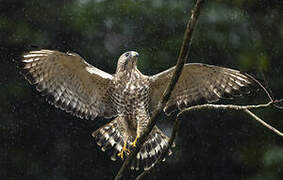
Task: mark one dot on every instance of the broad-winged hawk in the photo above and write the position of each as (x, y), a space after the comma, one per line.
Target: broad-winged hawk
(128, 96)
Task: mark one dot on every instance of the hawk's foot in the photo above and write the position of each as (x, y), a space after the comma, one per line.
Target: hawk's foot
(134, 144)
(124, 149)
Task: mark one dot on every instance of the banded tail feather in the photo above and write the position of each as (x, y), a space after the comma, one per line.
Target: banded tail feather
(151, 150)
(109, 137)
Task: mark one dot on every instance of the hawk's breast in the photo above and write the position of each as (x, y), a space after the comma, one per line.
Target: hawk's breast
(130, 95)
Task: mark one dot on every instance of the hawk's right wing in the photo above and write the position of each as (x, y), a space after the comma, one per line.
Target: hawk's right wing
(69, 82)
(198, 84)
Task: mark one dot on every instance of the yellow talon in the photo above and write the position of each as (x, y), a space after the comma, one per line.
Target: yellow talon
(135, 142)
(121, 154)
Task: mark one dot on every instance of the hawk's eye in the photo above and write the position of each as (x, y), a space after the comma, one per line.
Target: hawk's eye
(127, 54)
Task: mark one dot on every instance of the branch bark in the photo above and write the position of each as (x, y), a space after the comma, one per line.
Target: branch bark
(183, 56)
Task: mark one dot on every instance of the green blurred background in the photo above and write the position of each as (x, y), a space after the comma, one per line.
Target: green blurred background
(38, 141)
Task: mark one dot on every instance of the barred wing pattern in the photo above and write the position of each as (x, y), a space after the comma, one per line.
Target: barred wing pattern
(69, 82)
(198, 83)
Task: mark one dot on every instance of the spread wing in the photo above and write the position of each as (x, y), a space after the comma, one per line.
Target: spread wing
(69, 82)
(198, 83)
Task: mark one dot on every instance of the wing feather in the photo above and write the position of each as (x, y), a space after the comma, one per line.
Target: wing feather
(198, 84)
(69, 82)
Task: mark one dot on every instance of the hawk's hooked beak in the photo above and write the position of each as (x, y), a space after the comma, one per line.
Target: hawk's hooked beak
(134, 54)
(134, 57)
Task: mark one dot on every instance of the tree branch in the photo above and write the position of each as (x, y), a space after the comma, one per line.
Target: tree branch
(236, 107)
(183, 56)
(263, 123)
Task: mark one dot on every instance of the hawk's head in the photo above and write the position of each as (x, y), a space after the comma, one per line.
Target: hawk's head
(127, 61)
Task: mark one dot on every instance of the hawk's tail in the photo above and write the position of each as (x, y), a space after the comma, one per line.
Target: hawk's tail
(110, 137)
(151, 150)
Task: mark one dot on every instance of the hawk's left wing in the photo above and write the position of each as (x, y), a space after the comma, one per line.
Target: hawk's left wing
(69, 82)
(198, 83)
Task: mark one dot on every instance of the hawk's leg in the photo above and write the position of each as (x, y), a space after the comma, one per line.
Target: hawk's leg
(141, 127)
(134, 144)
(124, 149)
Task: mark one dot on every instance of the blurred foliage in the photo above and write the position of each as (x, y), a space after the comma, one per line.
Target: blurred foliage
(41, 142)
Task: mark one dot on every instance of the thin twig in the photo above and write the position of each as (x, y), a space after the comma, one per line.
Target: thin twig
(264, 89)
(278, 101)
(267, 93)
(263, 123)
(225, 106)
(183, 56)
(236, 107)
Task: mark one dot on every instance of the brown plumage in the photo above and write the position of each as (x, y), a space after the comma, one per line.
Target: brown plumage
(128, 96)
